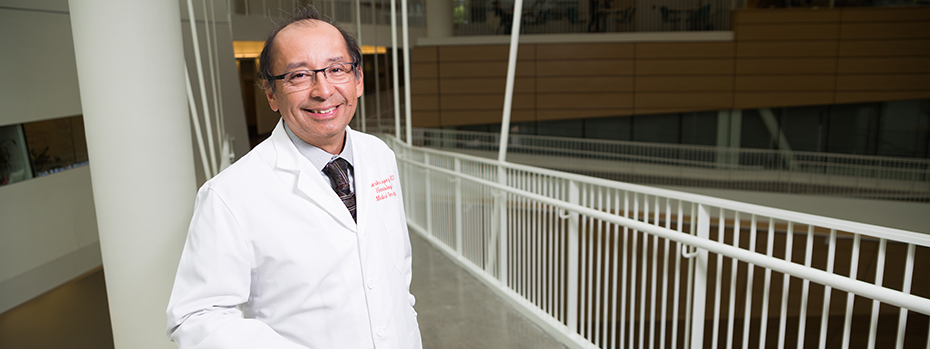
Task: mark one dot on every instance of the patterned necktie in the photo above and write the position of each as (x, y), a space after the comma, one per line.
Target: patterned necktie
(338, 172)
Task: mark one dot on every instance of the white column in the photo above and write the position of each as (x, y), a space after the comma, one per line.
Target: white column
(438, 18)
(130, 64)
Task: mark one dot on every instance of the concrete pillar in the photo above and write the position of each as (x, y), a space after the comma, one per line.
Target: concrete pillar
(130, 65)
(438, 18)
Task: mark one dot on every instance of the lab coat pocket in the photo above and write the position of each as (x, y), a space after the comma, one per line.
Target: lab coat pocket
(398, 241)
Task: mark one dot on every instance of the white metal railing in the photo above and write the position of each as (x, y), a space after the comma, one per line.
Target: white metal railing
(872, 177)
(615, 265)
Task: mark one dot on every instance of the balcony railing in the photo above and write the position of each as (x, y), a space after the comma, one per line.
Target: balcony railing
(871, 177)
(603, 264)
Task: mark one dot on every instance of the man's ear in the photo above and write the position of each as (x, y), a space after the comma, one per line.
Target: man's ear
(360, 84)
(272, 98)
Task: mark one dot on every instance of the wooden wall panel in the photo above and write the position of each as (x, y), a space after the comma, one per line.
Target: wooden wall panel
(768, 99)
(873, 48)
(786, 83)
(786, 66)
(872, 96)
(684, 83)
(585, 84)
(584, 51)
(892, 30)
(583, 101)
(422, 118)
(885, 14)
(562, 114)
(902, 82)
(787, 49)
(696, 101)
(483, 69)
(480, 117)
(486, 101)
(584, 68)
(424, 86)
(688, 50)
(424, 54)
(473, 53)
(893, 65)
(424, 70)
(779, 31)
(424, 102)
(780, 57)
(485, 85)
(682, 66)
(806, 15)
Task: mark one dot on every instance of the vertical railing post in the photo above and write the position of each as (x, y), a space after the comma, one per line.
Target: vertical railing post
(459, 238)
(502, 225)
(429, 196)
(700, 281)
(573, 256)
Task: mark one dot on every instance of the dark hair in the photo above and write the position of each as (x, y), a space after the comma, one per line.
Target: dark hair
(302, 13)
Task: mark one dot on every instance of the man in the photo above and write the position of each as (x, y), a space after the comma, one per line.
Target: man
(302, 243)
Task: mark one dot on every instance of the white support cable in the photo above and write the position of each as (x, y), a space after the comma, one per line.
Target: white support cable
(374, 25)
(203, 91)
(407, 52)
(358, 31)
(396, 71)
(195, 119)
(511, 73)
(215, 78)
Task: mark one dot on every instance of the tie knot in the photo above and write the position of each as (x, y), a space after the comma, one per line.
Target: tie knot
(338, 171)
(339, 164)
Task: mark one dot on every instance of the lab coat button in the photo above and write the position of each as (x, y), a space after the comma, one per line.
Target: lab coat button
(371, 284)
(380, 331)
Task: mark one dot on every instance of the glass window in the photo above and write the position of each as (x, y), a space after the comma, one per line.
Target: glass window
(56, 145)
(903, 128)
(803, 127)
(658, 128)
(612, 128)
(754, 133)
(699, 128)
(561, 128)
(14, 158)
(851, 128)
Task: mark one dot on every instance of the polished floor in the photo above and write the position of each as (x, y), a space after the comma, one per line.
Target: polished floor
(458, 311)
(455, 311)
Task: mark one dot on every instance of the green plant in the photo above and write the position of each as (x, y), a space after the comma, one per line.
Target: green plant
(5, 165)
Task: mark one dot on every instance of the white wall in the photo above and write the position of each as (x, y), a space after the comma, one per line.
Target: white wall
(48, 227)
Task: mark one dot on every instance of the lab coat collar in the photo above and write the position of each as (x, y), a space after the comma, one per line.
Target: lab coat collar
(309, 182)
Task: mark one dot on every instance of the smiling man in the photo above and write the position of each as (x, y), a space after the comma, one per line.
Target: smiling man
(302, 243)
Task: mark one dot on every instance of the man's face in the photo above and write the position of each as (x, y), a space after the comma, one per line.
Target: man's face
(319, 114)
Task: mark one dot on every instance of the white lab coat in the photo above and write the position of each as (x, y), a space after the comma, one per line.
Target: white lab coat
(269, 236)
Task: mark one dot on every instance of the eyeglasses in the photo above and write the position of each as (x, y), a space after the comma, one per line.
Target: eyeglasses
(303, 79)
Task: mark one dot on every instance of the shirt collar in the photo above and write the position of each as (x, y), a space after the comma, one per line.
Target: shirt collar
(319, 157)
